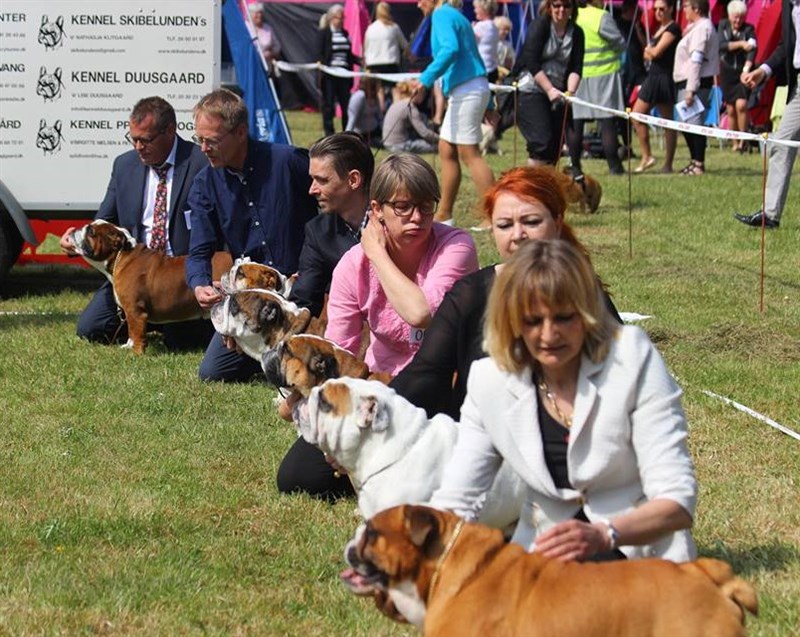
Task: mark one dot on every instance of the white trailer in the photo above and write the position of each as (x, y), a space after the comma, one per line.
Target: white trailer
(70, 72)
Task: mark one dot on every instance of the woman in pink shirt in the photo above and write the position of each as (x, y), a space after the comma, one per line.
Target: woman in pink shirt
(395, 279)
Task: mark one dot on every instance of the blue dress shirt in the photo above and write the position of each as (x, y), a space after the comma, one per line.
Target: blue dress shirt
(259, 212)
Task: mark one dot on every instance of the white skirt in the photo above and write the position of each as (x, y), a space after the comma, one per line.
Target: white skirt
(462, 121)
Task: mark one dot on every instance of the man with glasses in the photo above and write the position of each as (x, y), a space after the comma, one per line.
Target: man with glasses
(147, 195)
(253, 198)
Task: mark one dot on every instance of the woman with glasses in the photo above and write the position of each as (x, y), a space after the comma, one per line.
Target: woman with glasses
(658, 89)
(550, 63)
(696, 64)
(395, 279)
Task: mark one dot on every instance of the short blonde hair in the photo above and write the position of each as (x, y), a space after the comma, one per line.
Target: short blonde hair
(737, 7)
(383, 12)
(553, 273)
(409, 172)
(503, 21)
(489, 6)
(225, 105)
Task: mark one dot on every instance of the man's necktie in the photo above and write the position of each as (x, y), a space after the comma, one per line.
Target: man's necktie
(158, 236)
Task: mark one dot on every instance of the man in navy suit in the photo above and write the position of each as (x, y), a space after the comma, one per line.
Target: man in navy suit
(784, 63)
(130, 202)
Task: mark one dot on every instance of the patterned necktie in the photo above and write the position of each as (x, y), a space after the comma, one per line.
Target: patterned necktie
(158, 236)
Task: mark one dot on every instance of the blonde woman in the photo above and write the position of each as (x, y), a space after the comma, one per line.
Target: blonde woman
(583, 409)
(384, 47)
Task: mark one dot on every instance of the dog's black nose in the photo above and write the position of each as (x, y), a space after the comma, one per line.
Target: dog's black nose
(271, 365)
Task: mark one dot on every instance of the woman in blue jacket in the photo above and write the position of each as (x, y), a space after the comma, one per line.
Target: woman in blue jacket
(457, 62)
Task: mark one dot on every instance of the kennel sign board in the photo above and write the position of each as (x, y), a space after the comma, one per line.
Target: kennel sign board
(70, 72)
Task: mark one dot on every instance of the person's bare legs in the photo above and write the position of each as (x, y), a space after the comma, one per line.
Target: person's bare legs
(643, 134)
(450, 179)
(733, 124)
(670, 138)
(742, 120)
(479, 170)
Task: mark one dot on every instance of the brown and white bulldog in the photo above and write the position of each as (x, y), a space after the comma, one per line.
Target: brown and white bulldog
(304, 361)
(149, 286)
(390, 449)
(249, 275)
(453, 578)
(258, 320)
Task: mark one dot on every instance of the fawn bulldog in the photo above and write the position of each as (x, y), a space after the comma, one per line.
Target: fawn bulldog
(391, 451)
(453, 578)
(249, 275)
(258, 320)
(149, 286)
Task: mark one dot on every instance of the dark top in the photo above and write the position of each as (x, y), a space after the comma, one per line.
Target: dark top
(260, 213)
(664, 63)
(554, 444)
(734, 60)
(124, 200)
(325, 48)
(328, 237)
(436, 378)
(633, 69)
(530, 57)
(781, 60)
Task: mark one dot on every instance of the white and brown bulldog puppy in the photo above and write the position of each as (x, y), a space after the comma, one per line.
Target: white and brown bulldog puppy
(453, 578)
(391, 451)
(249, 275)
(258, 320)
(149, 286)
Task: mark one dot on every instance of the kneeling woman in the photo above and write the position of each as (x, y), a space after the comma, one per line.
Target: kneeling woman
(583, 409)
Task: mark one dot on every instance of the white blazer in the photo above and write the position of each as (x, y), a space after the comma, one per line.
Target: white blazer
(627, 445)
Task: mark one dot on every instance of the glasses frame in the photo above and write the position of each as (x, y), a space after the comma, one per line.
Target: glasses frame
(134, 141)
(211, 144)
(562, 5)
(414, 206)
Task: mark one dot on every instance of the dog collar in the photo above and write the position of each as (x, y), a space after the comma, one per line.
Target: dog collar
(448, 547)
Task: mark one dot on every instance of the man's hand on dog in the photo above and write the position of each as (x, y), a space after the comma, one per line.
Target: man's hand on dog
(208, 295)
(572, 540)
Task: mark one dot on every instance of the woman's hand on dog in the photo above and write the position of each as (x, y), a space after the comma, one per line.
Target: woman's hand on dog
(573, 540)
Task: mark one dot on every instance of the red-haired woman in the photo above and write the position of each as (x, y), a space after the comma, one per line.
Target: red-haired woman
(525, 203)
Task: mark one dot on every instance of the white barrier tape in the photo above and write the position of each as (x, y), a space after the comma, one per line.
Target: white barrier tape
(706, 131)
(754, 414)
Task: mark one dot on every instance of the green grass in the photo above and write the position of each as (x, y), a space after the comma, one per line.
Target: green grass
(135, 500)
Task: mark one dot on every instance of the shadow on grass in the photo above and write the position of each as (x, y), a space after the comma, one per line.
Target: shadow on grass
(755, 559)
(38, 280)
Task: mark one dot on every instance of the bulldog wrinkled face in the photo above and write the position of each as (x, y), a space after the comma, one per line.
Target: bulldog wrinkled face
(395, 551)
(253, 276)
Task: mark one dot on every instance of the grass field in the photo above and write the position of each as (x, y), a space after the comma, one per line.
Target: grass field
(135, 500)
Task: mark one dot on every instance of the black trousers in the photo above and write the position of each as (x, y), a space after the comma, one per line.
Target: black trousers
(541, 124)
(334, 89)
(305, 470)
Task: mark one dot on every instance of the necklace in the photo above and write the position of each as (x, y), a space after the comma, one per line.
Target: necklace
(565, 420)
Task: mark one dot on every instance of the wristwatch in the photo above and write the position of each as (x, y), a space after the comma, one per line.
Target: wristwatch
(612, 534)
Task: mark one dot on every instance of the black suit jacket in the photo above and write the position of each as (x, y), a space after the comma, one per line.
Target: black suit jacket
(325, 48)
(327, 238)
(781, 59)
(124, 201)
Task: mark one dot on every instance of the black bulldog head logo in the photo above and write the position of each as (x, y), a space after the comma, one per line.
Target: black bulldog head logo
(51, 34)
(49, 137)
(49, 85)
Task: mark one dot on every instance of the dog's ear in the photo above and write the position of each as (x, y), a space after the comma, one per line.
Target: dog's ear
(325, 365)
(373, 414)
(421, 524)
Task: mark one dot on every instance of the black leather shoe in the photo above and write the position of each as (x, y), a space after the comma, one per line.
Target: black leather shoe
(755, 220)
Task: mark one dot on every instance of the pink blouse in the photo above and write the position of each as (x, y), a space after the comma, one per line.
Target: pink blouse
(357, 296)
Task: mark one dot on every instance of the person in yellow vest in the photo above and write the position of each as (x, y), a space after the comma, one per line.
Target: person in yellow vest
(601, 84)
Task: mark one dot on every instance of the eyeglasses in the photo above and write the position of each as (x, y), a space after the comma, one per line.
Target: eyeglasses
(659, 9)
(144, 141)
(403, 208)
(566, 7)
(212, 144)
